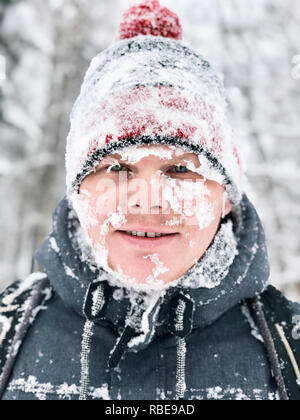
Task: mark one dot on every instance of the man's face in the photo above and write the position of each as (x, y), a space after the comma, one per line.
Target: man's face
(156, 189)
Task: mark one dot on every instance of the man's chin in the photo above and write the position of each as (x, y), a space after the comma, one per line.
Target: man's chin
(141, 279)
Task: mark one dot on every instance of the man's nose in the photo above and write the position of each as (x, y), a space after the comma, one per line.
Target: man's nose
(145, 196)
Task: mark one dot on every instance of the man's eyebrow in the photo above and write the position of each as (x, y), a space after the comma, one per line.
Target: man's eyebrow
(184, 157)
(109, 158)
(112, 158)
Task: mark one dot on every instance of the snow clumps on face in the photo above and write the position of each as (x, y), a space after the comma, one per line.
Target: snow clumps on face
(194, 195)
(159, 269)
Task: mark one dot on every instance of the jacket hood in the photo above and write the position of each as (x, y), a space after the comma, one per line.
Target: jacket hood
(74, 280)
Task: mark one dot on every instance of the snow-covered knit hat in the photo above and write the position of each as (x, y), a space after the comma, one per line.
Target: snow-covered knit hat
(149, 87)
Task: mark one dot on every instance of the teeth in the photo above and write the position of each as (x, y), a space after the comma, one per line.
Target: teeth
(145, 234)
(151, 234)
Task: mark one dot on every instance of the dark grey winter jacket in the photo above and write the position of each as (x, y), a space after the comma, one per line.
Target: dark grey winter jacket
(204, 344)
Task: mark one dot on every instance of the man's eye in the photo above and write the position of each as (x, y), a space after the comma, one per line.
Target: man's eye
(179, 169)
(118, 168)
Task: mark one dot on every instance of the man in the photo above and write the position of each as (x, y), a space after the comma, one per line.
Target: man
(154, 278)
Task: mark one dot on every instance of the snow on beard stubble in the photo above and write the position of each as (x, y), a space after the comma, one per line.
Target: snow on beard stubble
(185, 203)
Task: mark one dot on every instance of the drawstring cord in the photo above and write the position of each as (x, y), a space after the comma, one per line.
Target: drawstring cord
(85, 352)
(181, 351)
(274, 361)
(181, 325)
(289, 351)
(97, 305)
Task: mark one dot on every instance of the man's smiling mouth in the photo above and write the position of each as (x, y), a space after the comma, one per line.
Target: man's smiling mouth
(141, 234)
(147, 239)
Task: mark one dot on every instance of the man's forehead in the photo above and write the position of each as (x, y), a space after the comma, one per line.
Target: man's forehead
(163, 152)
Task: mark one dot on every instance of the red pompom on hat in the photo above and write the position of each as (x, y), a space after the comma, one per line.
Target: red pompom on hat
(149, 18)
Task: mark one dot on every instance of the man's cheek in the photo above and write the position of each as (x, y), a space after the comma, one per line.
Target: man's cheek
(189, 207)
(199, 212)
(95, 234)
(104, 205)
(105, 200)
(192, 238)
(85, 211)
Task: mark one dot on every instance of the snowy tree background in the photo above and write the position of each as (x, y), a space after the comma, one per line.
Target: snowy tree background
(45, 48)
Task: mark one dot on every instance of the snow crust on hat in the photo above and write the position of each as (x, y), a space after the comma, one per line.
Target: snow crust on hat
(156, 88)
(149, 18)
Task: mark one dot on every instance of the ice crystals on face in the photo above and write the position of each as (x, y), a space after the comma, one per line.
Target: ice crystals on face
(159, 269)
